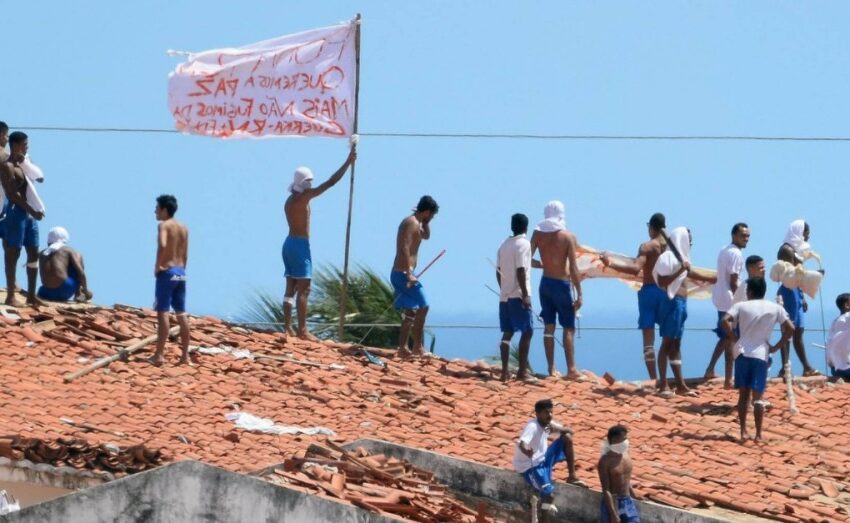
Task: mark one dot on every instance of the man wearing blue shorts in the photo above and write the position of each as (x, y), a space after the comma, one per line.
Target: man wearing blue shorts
(409, 298)
(21, 223)
(730, 263)
(756, 318)
(172, 254)
(297, 259)
(534, 458)
(651, 298)
(513, 273)
(672, 270)
(558, 260)
(4, 139)
(792, 251)
(615, 475)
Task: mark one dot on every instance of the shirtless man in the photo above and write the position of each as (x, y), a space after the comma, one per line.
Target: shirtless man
(615, 475)
(4, 139)
(297, 260)
(63, 274)
(558, 260)
(651, 298)
(21, 227)
(409, 296)
(791, 251)
(172, 253)
(671, 271)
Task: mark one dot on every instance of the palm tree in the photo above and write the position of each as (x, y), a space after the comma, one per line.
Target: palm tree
(370, 301)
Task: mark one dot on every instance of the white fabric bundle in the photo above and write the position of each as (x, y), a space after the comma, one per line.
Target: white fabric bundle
(794, 276)
(553, 217)
(33, 174)
(668, 264)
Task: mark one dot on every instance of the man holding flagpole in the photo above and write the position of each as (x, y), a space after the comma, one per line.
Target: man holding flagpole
(297, 259)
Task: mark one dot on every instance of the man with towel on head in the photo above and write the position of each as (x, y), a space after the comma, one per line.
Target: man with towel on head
(651, 299)
(297, 260)
(671, 272)
(21, 227)
(558, 260)
(63, 275)
(793, 251)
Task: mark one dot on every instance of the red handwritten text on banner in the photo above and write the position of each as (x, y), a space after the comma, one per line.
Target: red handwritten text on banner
(301, 84)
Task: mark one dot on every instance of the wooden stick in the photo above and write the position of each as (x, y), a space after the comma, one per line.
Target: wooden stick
(343, 299)
(106, 360)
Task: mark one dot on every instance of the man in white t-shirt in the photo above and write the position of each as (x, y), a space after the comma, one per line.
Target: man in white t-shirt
(730, 263)
(513, 272)
(838, 343)
(755, 318)
(534, 458)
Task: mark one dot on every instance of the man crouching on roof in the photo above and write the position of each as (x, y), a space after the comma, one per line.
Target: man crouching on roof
(534, 458)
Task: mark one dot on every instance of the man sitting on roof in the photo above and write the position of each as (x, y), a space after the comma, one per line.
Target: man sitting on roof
(63, 275)
(838, 343)
(534, 458)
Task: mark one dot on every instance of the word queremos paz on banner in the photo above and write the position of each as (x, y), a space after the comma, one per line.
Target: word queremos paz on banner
(296, 85)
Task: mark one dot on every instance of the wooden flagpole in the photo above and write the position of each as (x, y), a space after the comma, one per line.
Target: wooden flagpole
(343, 298)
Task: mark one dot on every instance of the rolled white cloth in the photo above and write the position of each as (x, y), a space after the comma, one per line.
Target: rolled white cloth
(301, 180)
(57, 238)
(553, 217)
(668, 264)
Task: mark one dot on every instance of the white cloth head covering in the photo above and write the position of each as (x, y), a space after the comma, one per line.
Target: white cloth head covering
(553, 214)
(301, 180)
(668, 264)
(794, 238)
(57, 238)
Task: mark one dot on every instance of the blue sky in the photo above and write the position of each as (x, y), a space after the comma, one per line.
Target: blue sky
(693, 68)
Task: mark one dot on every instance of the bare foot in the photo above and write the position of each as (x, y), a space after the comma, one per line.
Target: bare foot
(574, 375)
(291, 332)
(682, 390)
(12, 302)
(758, 438)
(728, 385)
(554, 374)
(418, 353)
(83, 296)
(665, 392)
(308, 336)
(573, 480)
(744, 436)
(709, 375)
(33, 301)
(187, 359)
(156, 361)
(404, 353)
(505, 376)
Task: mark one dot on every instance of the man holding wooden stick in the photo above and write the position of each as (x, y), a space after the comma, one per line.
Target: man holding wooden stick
(297, 259)
(409, 297)
(170, 270)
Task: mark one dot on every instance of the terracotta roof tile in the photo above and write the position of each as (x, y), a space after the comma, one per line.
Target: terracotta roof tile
(684, 448)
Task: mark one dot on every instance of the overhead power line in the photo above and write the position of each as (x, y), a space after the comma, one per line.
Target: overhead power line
(490, 136)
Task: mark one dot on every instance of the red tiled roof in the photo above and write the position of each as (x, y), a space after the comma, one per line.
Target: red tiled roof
(684, 449)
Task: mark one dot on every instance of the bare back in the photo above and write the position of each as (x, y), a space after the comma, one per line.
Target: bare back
(173, 247)
(786, 253)
(556, 249)
(297, 210)
(617, 469)
(408, 239)
(650, 251)
(53, 268)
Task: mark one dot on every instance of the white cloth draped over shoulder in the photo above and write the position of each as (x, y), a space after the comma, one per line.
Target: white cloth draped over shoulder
(669, 264)
(33, 174)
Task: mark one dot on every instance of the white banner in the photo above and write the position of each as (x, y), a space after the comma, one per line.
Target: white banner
(295, 85)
